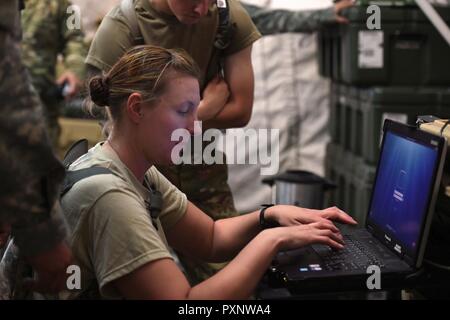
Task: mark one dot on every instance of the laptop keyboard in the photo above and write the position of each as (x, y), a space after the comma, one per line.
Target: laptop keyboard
(354, 256)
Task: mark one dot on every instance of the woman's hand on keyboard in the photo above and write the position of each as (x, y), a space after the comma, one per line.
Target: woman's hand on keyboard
(292, 215)
(294, 237)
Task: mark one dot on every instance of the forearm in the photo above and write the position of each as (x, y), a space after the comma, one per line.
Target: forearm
(240, 277)
(238, 72)
(207, 111)
(269, 21)
(232, 234)
(233, 115)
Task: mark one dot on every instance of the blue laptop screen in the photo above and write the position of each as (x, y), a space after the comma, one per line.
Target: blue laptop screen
(402, 190)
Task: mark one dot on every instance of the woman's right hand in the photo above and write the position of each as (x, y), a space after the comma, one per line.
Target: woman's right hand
(215, 97)
(294, 237)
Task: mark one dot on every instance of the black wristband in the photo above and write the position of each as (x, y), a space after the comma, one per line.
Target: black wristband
(265, 224)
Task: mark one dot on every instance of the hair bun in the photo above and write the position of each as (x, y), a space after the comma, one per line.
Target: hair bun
(99, 91)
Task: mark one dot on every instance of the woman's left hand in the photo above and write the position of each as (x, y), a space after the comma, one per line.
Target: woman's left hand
(291, 215)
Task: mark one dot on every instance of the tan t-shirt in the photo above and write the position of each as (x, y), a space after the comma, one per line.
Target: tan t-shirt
(114, 38)
(111, 231)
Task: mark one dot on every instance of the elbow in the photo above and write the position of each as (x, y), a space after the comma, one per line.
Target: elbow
(243, 117)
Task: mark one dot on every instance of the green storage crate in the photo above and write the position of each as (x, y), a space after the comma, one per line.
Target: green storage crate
(444, 104)
(324, 51)
(334, 119)
(407, 51)
(347, 96)
(354, 179)
(338, 116)
(357, 114)
(395, 103)
(335, 171)
(361, 184)
(329, 43)
(342, 169)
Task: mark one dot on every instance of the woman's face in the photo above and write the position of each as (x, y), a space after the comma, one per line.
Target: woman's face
(175, 109)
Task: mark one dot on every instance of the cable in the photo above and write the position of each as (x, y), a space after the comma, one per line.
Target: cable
(415, 274)
(444, 126)
(437, 265)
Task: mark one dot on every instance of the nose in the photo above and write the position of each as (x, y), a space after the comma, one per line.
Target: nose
(202, 8)
(194, 126)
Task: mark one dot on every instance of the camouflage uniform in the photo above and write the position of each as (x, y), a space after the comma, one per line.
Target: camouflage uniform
(45, 35)
(30, 172)
(273, 21)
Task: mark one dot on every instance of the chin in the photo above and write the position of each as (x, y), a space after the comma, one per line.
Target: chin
(189, 20)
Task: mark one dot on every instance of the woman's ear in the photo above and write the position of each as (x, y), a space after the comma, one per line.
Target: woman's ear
(135, 107)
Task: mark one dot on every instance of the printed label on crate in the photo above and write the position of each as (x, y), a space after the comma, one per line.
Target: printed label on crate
(399, 117)
(370, 49)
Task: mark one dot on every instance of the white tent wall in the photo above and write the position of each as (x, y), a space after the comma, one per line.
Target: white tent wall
(289, 96)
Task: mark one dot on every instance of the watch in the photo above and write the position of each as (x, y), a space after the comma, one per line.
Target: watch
(265, 224)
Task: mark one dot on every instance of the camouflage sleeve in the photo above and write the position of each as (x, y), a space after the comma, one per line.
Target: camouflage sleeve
(74, 47)
(30, 172)
(271, 21)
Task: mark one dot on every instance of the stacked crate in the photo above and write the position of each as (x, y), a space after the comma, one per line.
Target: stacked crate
(398, 72)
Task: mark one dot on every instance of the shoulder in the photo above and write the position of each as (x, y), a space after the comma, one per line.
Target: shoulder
(160, 182)
(237, 12)
(245, 33)
(93, 187)
(86, 193)
(112, 38)
(99, 199)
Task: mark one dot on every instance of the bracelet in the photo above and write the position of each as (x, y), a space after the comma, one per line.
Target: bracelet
(265, 224)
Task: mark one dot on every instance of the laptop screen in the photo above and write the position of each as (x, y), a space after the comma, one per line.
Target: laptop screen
(401, 194)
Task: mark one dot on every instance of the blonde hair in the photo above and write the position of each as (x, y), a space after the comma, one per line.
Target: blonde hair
(142, 69)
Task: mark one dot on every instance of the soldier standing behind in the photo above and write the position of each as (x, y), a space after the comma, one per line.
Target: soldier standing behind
(45, 36)
(30, 172)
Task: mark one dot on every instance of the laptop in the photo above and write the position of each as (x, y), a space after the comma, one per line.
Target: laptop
(397, 224)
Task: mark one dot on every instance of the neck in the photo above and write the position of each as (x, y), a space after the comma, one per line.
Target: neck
(161, 6)
(129, 154)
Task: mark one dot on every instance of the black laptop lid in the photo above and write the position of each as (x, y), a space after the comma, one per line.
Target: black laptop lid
(406, 181)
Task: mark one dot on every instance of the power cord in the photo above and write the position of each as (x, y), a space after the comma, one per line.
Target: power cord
(437, 265)
(444, 126)
(415, 274)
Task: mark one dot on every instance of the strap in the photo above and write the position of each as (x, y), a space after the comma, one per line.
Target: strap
(224, 30)
(127, 8)
(154, 202)
(73, 177)
(447, 123)
(77, 149)
(223, 36)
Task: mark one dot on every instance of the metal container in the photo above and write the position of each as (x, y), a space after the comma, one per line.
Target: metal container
(300, 188)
